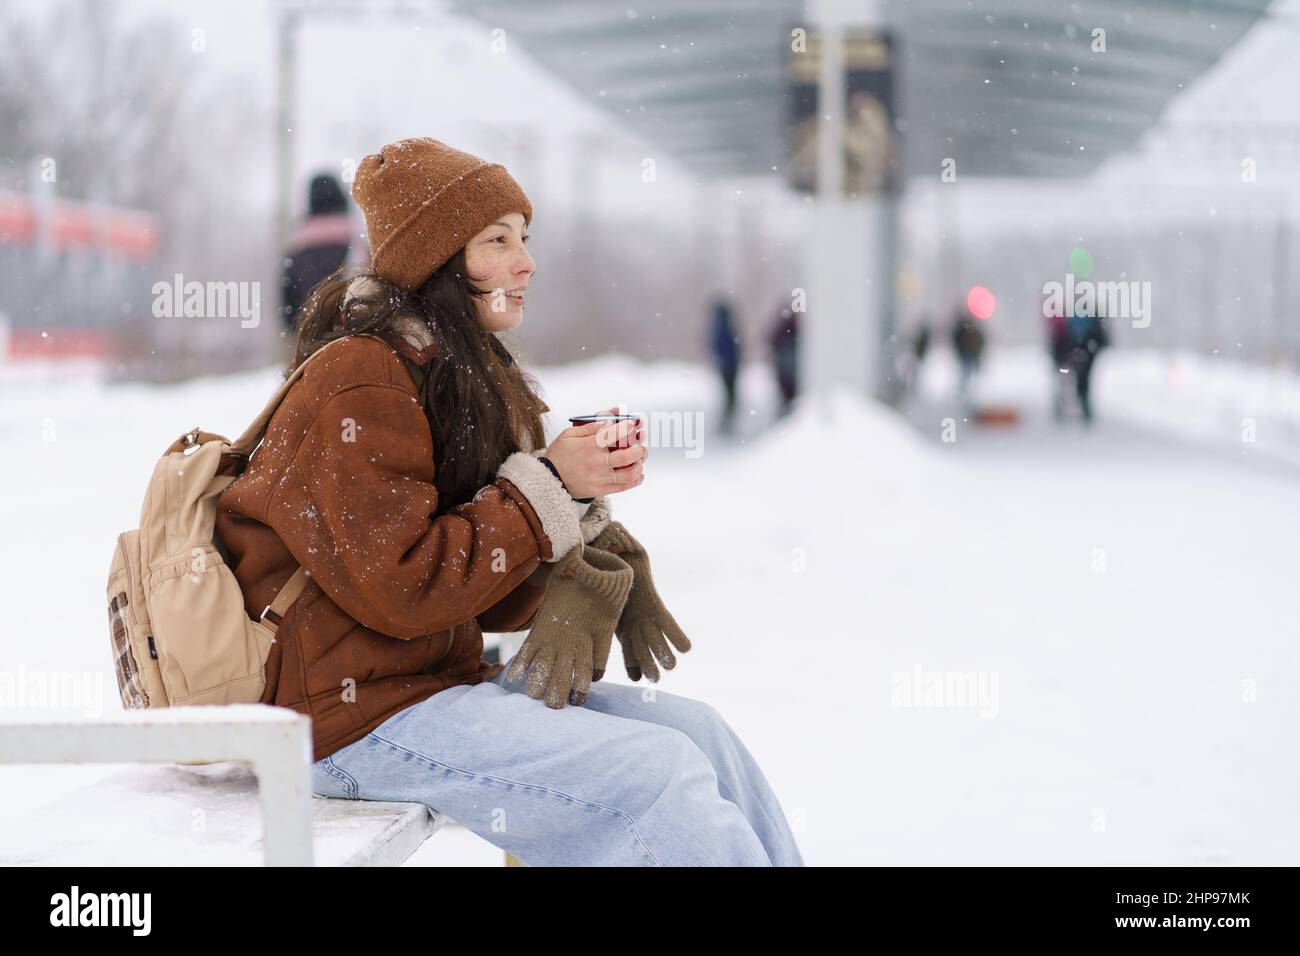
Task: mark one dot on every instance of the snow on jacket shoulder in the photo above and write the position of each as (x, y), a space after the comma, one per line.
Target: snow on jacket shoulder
(356, 502)
(343, 484)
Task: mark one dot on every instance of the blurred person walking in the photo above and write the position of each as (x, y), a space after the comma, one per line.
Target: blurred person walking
(1058, 343)
(318, 247)
(783, 340)
(968, 342)
(1087, 336)
(914, 357)
(724, 345)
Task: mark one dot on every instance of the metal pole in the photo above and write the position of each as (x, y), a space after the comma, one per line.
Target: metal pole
(822, 333)
(286, 95)
(888, 387)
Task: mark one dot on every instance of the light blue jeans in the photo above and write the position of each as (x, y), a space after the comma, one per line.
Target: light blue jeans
(623, 780)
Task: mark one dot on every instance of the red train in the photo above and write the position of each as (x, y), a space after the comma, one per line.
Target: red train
(75, 277)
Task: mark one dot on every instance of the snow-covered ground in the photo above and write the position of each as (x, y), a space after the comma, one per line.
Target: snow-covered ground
(1249, 411)
(1118, 601)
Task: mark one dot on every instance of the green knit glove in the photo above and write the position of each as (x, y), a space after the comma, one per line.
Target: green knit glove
(573, 629)
(642, 626)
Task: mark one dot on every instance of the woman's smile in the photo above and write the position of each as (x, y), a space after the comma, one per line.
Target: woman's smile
(497, 260)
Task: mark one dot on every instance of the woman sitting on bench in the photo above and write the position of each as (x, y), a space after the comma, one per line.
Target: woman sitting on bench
(405, 472)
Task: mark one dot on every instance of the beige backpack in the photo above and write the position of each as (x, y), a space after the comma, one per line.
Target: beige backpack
(176, 614)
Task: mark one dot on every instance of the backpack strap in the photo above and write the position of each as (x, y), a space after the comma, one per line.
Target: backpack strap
(195, 437)
(252, 435)
(273, 613)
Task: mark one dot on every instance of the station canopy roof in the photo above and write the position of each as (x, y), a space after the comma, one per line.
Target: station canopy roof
(1009, 88)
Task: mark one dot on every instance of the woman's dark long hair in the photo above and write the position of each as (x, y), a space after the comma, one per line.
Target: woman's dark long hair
(478, 400)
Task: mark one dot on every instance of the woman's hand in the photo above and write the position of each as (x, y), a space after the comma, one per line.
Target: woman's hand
(600, 458)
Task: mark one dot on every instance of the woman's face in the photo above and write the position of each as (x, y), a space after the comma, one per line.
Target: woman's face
(498, 262)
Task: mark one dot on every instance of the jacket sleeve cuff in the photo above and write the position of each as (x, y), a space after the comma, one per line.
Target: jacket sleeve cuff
(594, 516)
(549, 499)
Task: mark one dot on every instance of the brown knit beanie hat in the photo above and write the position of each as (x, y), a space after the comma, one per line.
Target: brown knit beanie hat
(423, 201)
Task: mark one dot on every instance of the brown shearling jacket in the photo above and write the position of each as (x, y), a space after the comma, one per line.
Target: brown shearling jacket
(398, 599)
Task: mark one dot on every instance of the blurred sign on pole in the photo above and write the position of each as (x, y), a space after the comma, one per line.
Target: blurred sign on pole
(870, 138)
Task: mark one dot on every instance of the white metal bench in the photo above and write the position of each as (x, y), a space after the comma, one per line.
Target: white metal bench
(199, 803)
